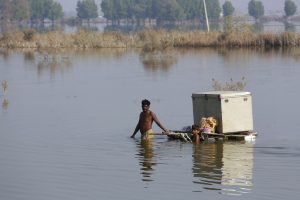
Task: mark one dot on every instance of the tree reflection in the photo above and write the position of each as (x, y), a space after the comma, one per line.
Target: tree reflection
(5, 104)
(52, 63)
(289, 27)
(237, 57)
(158, 60)
(29, 56)
(4, 53)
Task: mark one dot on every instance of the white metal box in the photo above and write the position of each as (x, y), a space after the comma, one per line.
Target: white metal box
(232, 109)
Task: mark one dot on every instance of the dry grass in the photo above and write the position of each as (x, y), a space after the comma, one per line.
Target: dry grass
(148, 40)
(229, 86)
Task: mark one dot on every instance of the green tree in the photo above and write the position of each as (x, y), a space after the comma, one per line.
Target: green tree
(55, 11)
(41, 9)
(168, 10)
(290, 8)
(107, 8)
(256, 9)
(213, 9)
(149, 5)
(194, 9)
(120, 10)
(5, 9)
(190, 9)
(139, 9)
(20, 9)
(116, 10)
(33, 9)
(87, 9)
(37, 9)
(228, 8)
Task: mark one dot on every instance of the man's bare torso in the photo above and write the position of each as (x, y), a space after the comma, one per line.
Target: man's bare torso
(146, 120)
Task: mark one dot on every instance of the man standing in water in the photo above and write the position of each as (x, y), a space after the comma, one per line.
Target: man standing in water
(146, 119)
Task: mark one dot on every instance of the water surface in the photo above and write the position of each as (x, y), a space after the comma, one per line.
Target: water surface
(66, 119)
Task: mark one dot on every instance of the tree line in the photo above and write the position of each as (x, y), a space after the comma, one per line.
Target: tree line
(176, 10)
(132, 10)
(160, 10)
(21, 10)
(256, 8)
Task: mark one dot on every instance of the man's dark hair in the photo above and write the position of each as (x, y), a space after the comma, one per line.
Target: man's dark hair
(195, 127)
(145, 102)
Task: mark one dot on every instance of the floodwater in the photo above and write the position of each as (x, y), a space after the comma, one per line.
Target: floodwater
(66, 118)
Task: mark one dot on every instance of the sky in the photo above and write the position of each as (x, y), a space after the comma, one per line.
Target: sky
(241, 6)
(69, 6)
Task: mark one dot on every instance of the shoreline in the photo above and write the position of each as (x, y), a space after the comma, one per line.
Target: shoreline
(147, 40)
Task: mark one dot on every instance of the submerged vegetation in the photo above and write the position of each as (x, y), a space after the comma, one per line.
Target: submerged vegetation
(148, 40)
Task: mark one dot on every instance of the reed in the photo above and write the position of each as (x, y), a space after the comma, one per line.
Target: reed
(148, 40)
(4, 85)
(229, 86)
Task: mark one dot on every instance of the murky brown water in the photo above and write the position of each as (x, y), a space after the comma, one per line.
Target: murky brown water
(67, 116)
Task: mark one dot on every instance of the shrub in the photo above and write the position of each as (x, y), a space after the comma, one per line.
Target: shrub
(28, 34)
(229, 86)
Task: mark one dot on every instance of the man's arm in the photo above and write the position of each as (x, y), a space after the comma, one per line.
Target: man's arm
(137, 128)
(158, 123)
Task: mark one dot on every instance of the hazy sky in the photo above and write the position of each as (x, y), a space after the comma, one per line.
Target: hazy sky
(241, 6)
(70, 5)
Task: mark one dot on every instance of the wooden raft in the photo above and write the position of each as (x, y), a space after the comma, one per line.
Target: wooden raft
(239, 136)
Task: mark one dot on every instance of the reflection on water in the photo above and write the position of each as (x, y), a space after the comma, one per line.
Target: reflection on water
(289, 27)
(158, 60)
(53, 63)
(237, 168)
(226, 167)
(146, 162)
(207, 165)
(42, 157)
(237, 57)
(5, 103)
(4, 53)
(4, 87)
(223, 167)
(29, 56)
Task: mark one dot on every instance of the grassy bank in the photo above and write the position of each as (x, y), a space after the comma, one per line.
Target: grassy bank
(148, 40)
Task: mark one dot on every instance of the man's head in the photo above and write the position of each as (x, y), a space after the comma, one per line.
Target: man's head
(195, 129)
(145, 104)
